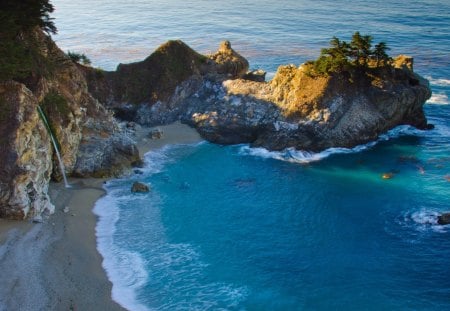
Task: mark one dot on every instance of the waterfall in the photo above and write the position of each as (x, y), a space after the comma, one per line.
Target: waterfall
(58, 155)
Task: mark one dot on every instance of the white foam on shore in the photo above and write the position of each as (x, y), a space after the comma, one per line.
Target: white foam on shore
(124, 269)
(164, 261)
(301, 156)
(438, 99)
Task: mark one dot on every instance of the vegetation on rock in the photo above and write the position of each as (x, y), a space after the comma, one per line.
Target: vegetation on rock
(342, 56)
(79, 58)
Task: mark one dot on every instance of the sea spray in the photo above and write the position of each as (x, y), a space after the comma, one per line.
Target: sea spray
(58, 155)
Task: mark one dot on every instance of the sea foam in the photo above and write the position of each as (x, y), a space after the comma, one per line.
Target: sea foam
(438, 99)
(438, 82)
(124, 269)
(303, 157)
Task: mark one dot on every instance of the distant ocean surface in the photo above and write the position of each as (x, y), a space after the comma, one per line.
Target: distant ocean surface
(236, 228)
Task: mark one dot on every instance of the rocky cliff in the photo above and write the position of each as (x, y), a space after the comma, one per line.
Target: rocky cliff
(297, 108)
(90, 140)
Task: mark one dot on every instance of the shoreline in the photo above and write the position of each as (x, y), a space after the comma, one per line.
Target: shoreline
(55, 265)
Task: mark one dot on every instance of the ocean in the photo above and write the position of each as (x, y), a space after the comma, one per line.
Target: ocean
(240, 228)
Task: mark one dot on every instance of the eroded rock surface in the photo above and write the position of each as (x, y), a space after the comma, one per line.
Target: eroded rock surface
(25, 155)
(90, 140)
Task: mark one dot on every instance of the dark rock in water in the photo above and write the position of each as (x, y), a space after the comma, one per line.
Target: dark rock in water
(255, 75)
(444, 219)
(140, 187)
(155, 134)
(138, 172)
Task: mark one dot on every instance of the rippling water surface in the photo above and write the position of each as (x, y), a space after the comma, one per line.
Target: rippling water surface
(235, 228)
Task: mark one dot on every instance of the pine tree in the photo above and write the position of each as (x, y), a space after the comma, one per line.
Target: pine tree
(19, 53)
(380, 54)
(21, 15)
(361, 48)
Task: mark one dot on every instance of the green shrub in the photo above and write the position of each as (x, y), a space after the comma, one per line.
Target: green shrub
(79, 58)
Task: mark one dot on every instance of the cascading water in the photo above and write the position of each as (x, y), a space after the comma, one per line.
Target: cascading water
(58, 155)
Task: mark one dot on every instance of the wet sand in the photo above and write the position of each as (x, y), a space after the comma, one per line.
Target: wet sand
(55, 265)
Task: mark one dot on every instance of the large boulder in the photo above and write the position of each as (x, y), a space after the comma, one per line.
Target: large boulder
(139, 187)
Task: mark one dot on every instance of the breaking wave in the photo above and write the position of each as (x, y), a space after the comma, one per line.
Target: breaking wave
(302, 156)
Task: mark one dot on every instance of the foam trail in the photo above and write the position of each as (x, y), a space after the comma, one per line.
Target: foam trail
(438, 82)
(301, 156)
(438, 99)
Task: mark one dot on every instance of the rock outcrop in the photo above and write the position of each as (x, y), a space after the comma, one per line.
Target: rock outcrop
(309, 113)
(90, 140)
(229, 105)
(25, 154)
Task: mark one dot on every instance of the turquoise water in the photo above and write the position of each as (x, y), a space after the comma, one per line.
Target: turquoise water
(236, 228)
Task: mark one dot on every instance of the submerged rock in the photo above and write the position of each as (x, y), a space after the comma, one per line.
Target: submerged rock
(444, 219)
(139, 187)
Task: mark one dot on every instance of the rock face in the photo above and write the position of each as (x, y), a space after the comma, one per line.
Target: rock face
(309, 113)
(444, 219)
(90, 140)
(304, 112)
(25, 155)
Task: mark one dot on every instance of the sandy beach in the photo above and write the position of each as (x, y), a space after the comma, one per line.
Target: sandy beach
(55, 265)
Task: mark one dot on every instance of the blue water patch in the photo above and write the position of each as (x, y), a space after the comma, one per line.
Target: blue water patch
(237, 228)
(224, 230)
